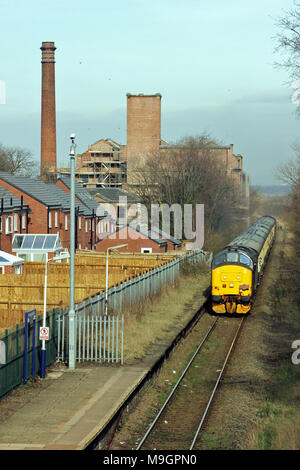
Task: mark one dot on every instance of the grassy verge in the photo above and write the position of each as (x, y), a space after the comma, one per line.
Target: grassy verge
(159, 317)
(278, 418)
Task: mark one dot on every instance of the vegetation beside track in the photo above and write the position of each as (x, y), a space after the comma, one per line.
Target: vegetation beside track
(159, 317)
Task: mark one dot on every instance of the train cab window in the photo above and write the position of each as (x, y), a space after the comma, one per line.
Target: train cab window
(219, 259)
(245, 260)
(232, 257)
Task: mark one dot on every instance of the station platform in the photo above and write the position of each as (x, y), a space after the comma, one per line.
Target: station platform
(72, 409)
(69, 408)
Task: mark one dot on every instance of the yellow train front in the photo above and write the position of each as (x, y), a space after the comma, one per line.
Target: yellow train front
(237, 270)
(231, 282)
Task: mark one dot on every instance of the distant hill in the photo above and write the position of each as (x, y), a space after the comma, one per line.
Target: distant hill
(273, 190)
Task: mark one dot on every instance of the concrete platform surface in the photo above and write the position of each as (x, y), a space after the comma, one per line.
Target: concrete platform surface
(74, 407)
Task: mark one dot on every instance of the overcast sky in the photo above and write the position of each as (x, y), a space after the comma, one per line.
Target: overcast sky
(212, 61)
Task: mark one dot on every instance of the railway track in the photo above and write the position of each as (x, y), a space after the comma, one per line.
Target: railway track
(172, 406)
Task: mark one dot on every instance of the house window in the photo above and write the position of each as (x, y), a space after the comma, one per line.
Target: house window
(8, 224)
(56, 219)
(146, 250)
(79, 222)
(0, 223)
(23, 222)
(86, 225)
(16, 222)
(66, 222)
(49, 220)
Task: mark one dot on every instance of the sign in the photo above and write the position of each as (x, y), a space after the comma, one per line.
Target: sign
(44, 333)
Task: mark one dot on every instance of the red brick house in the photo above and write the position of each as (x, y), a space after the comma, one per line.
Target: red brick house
(50, 211)
(137, 240)
(14, 216)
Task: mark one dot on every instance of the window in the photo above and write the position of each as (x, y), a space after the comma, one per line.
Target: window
(232, 257)
(86, 225)
(219, 259)
(15, 222)
(23, 222)
(8, 224)
(56, 219)
(146, 250)
(245, 260)
(79, 222)
(49, 220)
(66, 222)
(0, 223)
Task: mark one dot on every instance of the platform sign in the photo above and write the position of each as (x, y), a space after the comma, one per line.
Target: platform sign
(29, 316)
(44, 333)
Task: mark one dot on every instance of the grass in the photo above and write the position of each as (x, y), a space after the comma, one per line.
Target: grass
(160, 316)
(278, 425)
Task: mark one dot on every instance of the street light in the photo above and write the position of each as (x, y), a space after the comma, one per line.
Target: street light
(106, 287)
(72, 324)
(43, 350)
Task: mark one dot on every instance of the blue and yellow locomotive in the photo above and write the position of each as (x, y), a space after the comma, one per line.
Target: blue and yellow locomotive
(238, 268)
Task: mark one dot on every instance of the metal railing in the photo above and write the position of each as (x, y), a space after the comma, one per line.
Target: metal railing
(96, 340)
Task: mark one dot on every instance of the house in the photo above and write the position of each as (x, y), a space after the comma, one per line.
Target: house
(172, 243)
(137, 240)
(105, 223)
(50, 210)
(14, 216)
(117, 203)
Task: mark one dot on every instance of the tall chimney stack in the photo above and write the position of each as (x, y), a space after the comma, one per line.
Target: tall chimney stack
(48, 118)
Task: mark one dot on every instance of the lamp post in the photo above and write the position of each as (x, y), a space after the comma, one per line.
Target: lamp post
(106, 287)
(72, 324)
(43, 350)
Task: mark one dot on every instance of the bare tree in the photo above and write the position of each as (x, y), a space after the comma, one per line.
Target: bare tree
(289, 172)
(288, 43)
(188, 172)
(17, 160)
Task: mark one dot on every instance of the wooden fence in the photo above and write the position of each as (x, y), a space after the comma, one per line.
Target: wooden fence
(22, 292)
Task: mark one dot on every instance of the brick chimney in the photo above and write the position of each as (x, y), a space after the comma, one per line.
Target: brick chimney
(143, 130)
(48, 118)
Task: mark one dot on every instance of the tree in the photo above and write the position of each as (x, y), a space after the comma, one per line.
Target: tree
(288, 42)
(17, 161)
(189, 172)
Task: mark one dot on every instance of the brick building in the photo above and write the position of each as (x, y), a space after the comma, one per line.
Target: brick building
(48, 211)
(136, 239)
(14, 218)
(108, 163)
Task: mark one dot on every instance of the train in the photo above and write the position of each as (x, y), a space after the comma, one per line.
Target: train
(236, 271)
